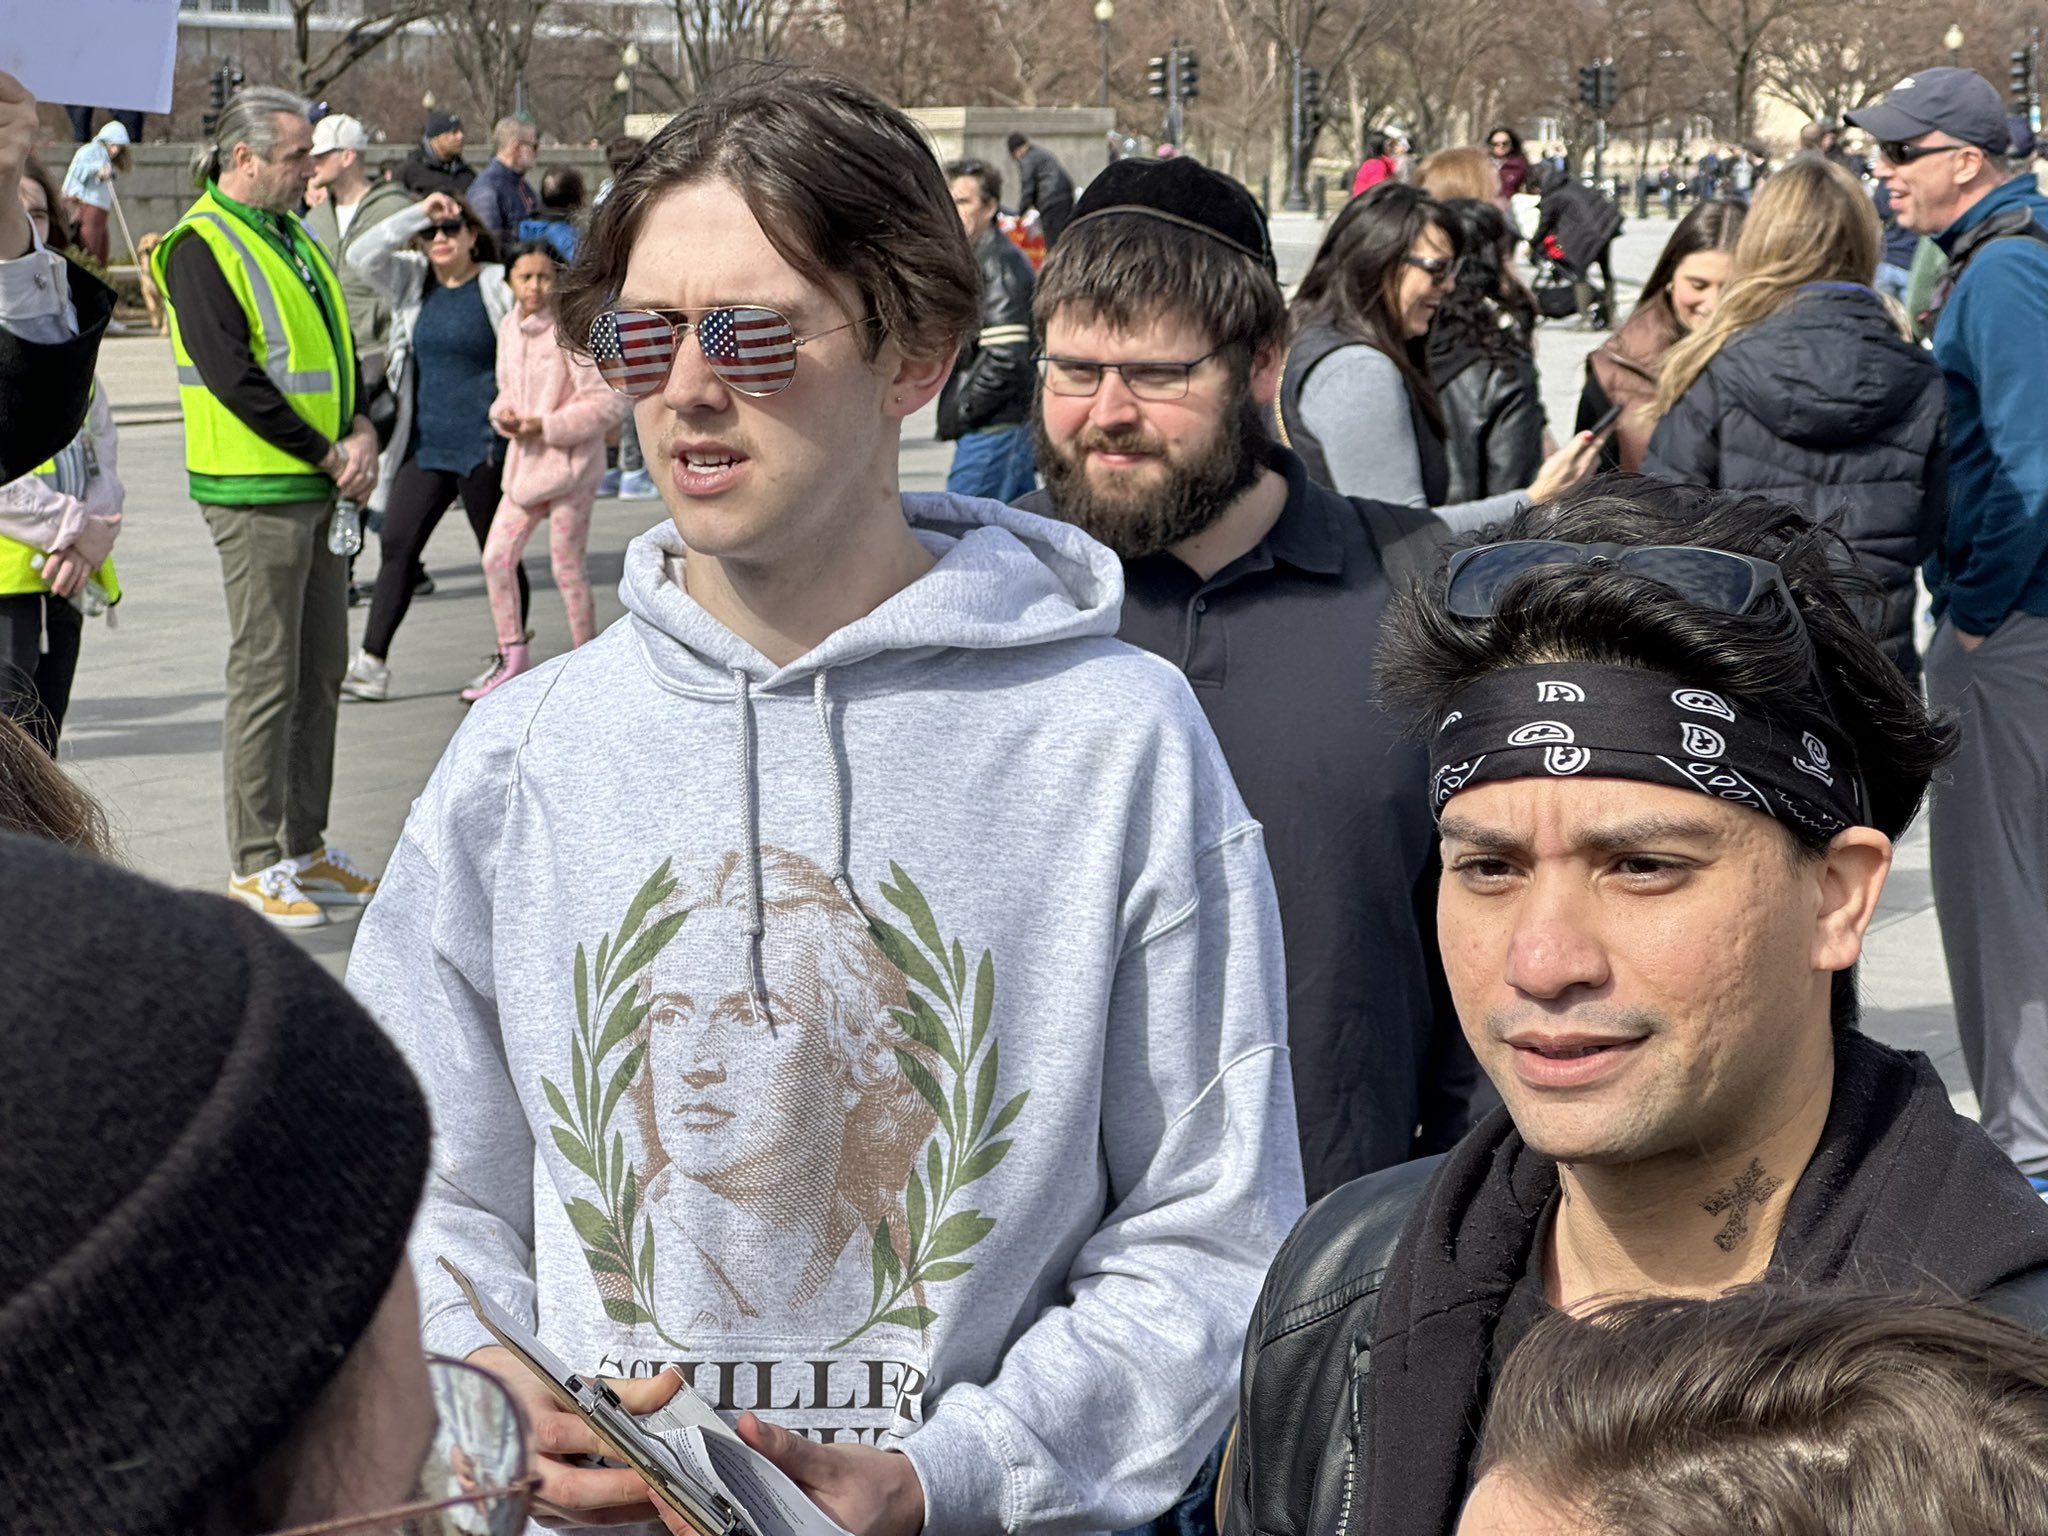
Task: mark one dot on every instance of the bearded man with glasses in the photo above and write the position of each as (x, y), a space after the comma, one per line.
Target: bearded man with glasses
(1942, 144)
(1163, 332)
(1667, 766)
(853, 979)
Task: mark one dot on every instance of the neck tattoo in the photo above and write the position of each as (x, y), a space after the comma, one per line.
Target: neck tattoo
(1755, 1187)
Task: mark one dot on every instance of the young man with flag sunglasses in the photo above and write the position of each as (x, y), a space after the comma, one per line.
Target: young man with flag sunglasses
(853, 979)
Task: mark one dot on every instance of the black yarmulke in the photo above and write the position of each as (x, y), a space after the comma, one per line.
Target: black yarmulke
(1180, 191)
(209, 1160)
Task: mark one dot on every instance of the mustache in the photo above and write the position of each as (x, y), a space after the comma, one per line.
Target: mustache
(1131, 439)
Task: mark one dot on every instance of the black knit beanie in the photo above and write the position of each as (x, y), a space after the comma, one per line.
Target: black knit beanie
(209, 1160)
(1184, 192)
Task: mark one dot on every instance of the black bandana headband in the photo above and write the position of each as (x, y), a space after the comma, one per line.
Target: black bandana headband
(1625, 723)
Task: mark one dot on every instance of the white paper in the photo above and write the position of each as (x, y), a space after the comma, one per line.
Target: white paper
(117, 54)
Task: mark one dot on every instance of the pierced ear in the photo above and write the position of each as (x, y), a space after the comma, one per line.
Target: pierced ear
(917, 382)
(1852, 874)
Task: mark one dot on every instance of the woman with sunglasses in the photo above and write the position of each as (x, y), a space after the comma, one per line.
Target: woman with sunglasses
(1804, 385)
(436, 265)
(1683, 289)
(1356, 400)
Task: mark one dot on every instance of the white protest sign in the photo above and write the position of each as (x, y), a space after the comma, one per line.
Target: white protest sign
(116, 54)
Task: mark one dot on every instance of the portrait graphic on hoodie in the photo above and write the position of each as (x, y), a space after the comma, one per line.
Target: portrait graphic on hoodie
(779, 1129)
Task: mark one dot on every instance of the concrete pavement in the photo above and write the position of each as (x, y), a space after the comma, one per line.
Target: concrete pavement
(144, 729)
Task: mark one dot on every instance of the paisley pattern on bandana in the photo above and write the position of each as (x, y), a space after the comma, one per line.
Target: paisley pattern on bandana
(1627, 723)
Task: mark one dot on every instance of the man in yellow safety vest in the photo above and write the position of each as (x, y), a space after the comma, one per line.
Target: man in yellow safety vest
(268, 382)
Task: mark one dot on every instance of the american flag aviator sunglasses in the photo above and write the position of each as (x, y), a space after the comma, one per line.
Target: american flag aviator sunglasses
(751, 350)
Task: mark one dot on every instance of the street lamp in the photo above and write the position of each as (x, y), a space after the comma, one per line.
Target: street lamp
(1104, 9)
(1952, 40)
(623, 84)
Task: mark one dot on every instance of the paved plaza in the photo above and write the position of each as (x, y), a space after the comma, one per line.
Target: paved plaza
(144, 728)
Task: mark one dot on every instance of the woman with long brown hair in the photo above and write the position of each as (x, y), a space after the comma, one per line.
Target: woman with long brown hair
(1804, 385)
(1356, 400)
(1683, 289)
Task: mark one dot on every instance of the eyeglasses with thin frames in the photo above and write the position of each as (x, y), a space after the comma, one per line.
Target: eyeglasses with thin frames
(749, 348)
(1078, 378)
(474, 1481)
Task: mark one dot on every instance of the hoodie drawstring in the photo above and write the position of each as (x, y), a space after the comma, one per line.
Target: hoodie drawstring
(840, 880)
(752, 960)
(750, 850)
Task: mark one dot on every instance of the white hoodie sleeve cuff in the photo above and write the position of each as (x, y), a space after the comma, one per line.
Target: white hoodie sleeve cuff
(455, 1332)
(965, 1467)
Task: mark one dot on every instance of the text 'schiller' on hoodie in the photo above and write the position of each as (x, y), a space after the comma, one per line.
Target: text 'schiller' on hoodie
(894, 1040)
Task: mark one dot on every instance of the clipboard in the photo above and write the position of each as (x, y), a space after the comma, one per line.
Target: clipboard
(707, 1511)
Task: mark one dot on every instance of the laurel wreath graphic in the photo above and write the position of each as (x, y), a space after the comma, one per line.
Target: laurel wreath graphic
(618, 1236)
(949, 1019)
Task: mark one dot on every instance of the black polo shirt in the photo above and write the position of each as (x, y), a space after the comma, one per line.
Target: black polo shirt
(1279, 647)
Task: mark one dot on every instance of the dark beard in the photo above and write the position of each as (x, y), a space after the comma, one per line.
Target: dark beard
(1193, 496)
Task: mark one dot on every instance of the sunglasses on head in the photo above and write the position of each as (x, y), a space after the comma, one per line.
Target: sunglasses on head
(1715, 579)
(1899, 152)
(749, 349)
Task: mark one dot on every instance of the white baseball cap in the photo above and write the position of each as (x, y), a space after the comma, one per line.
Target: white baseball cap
(339, 131)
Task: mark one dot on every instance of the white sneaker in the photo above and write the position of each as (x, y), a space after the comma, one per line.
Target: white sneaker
(368, 678)
(275, 892)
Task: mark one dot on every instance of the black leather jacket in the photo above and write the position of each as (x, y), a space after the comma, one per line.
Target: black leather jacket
(1304, 1413)
(1493, 415)
(993, 380)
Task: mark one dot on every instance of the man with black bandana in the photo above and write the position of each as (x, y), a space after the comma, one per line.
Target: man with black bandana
(1163, 331)
(1667, 765)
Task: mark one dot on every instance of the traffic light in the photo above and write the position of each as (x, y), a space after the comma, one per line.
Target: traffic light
(1609, 91)
(1589, 87)
(1190, 75)
(1155, 76)
(220, 90)
(1311, 101)
(2022, 80)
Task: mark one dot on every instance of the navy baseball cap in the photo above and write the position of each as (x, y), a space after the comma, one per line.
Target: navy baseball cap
(1958, 102)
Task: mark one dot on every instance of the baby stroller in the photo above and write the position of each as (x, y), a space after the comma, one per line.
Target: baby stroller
(1576, 229)
(1557, 298)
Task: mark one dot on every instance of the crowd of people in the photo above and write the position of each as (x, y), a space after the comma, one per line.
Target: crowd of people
(1280, 957)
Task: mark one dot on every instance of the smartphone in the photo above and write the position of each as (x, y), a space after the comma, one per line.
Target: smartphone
(1606, 423)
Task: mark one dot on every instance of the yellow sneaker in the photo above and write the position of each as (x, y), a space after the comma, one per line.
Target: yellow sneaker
(332, 879)
(275, 892)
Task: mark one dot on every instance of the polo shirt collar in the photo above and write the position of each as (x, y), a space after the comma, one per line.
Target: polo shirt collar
(1305, 537)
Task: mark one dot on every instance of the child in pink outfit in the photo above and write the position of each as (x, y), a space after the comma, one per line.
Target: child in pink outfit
(556, 411)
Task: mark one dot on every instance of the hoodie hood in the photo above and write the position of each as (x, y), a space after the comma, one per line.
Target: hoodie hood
(1829, 368)
(1004, 579)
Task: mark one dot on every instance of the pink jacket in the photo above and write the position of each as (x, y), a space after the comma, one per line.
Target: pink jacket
(536, 377)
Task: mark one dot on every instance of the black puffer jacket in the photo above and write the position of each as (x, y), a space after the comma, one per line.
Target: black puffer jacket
(1824, 404)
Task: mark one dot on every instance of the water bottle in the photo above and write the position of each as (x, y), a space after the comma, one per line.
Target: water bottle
(345, 532)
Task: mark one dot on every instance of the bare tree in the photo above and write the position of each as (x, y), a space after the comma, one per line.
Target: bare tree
(491, 41)
(1740, 37)
(313, 71)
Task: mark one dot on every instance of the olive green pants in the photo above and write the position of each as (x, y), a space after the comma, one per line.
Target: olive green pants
(287, 598)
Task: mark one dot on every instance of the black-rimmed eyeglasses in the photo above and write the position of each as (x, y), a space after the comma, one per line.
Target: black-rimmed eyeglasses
(1079, 378)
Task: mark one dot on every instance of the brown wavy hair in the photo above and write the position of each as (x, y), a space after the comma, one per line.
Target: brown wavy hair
(844, 186)
(39, 798)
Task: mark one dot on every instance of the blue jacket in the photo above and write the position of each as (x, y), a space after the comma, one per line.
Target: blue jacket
(501, 199)
(1991, 342)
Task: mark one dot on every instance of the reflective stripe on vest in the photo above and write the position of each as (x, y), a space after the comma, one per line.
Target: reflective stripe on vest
(286, 325)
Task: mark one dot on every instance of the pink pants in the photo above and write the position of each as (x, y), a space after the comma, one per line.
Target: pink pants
(568, 523)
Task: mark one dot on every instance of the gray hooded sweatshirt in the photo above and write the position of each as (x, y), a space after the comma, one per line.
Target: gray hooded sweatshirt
(894, 1040)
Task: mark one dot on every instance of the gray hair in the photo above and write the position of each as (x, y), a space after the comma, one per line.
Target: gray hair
(251, 119)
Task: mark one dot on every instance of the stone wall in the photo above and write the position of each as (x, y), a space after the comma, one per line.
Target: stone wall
(1078, 137)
